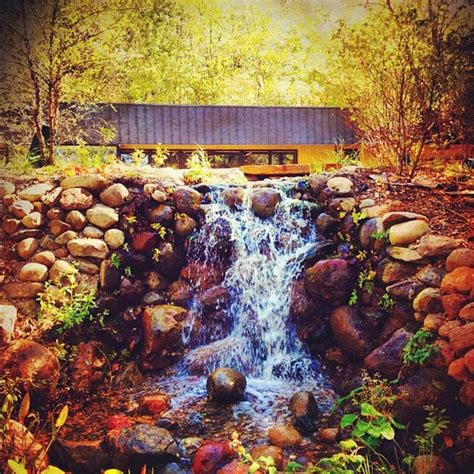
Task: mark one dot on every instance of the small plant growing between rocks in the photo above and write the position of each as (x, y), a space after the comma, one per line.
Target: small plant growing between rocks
(380, 235)
(199, 166)
(161, 230)
(263, 463)
(418, 350)
(156, 255)
(63, 302)
(365, 282)
(386, 302)
(115, 261)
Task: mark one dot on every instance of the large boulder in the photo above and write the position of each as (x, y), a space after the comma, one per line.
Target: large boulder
(94, 248)
(93, 182)
(211, 456)
(102, 216)
(188, 201)
(33, 272)
(27, 289)
(437, 245)
(21, 208)
(284, 436)
(429, 463)
(115, 195)
(35, 365)
(162, 340)
(76, 199)
(6, 188)
(461, 338)
(390, 271)
(265, 201)
(396, 217)
(428, 301)
(141, 444)
(340, 185)
(332, 280)
(226, 385)
(35, 192)
(162, 214)
(304, 408)
(461, 280)
(407, 232)
(463, 257)
(27, 247)
(350, 332)
(387, 359)
(366, 232)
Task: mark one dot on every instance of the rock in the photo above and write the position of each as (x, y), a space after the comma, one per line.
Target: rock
(92, 182)
(466, 394)
(85, 456)
(184, 225)
(458, 371)
(233, 197)
(6, 188)
(226, 385)
(268, 450)
(144, 241)
(180, 292)
(432, 322)
(109, 276)
(35, 192)
(55, 213)
(427, 386)
(115, 195)
(35, 365)
(118, 421)
(350, 332)
(428, 301)
(102, 216)
(162, 214)
(387, 359)
(305, 410)
(155, 281)
(430, 276)
(235, 467)
(437, 245)
(326, 223)
(463, 257)
(58, 227)
(265, 201)
(129, 377)
(391, 218)
(213, 298)
(340, 184)
(467, 312)
(452, 304)
(368, 202)
(317, 183)
(162, 341)
(188, 201)
(153, 404)
(33, 220)
(460, 280)
(65, 237)
(33, 272)
(94, 248)
(448, 326)
(329, 435)
(131, 290)
(51, 198)
(87, 267)
(189, 446)
(462, 338)
(406, 289)
(76, 199)
(407, 232)
(76, 220)
(8, 316)
(366, 230)
(141, 444)
(159, 196)
(45, 257)
(114, 238)
(21, 208)
(88, 368)
(466, 431)
(23, 290)
(342, 204)
(26, 234)
(20, 443)
(211, 456)
(330, 279)
(92, 232)
(284, 436)
(10, 226)
(391, 271)
(404, 254)
(429, 463)
(59, 269)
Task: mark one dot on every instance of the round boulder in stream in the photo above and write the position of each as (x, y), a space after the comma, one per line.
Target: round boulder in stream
(304, 408)
(265, 201)
(226, 385)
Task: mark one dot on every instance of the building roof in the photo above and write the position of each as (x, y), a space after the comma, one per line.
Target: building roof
(150, 124)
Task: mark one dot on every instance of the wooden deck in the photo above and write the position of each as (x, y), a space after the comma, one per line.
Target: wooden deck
(267, 171)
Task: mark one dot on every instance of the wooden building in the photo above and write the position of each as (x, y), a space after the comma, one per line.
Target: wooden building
(232, 135)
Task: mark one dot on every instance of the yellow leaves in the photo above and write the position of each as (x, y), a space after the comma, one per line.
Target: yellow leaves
(62, 417)
(24, 408)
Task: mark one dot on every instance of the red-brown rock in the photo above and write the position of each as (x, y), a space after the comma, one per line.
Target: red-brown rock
(466, 394)
(118, 421)
(458, 371)
(460, 280)
(462, 338)
(153, 404)
(144, 241)
(212, 456)
(453, 303)
(467, 312)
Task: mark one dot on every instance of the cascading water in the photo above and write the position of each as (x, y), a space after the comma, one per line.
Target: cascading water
(265, 260)
(258, 260)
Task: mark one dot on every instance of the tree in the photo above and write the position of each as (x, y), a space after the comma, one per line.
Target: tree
(403, 73)
(45, 43)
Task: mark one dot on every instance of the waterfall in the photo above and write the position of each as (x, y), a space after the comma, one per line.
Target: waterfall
(263, 257)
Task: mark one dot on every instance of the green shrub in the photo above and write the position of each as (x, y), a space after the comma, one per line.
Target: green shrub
(418, 350)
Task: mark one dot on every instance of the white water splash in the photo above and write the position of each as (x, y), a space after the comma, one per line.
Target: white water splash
(266, 259)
